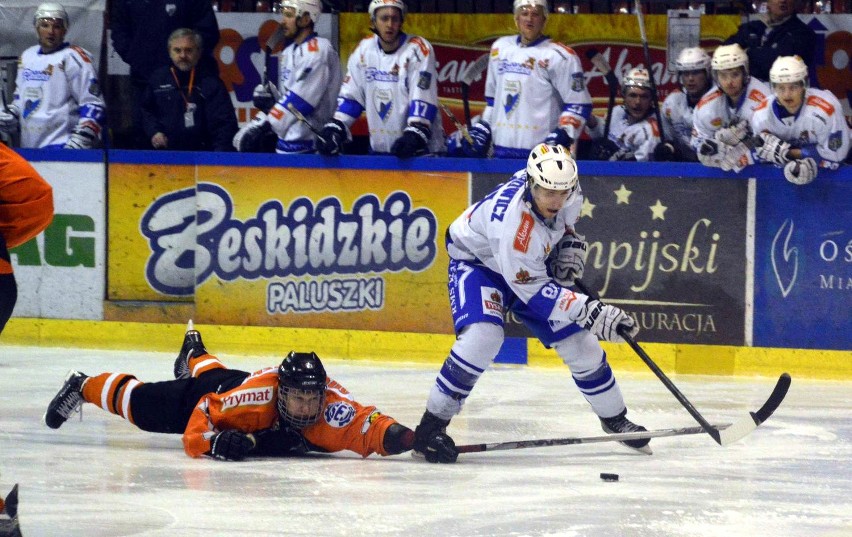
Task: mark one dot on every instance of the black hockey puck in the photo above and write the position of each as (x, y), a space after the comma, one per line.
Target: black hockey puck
(609, 477)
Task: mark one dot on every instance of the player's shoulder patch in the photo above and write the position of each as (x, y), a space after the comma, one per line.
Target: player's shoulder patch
(339, 414)
(313, 45)
(523, 234)
(835, 140)
(822, 104)
(424, 80)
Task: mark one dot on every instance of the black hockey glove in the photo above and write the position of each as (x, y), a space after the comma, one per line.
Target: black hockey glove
(231, 445)
(431, 440)
(250, 138)
(559, 136)
(604, 149)
(333, 136)
(441, 449)
(414, 141)
(665, 152)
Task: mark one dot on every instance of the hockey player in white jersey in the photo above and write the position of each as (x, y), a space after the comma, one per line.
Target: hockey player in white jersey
(309, 79)
(57, 101)
(535, 91)
(800, 128)
(633, 131)
(517, 250)
(693, 70)
(392, 78)
(721, 118)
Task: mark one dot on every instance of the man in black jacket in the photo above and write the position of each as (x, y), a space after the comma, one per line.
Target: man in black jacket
(780, 32)
(186, 107)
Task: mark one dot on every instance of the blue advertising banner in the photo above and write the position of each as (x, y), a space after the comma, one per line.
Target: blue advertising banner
(803, 265)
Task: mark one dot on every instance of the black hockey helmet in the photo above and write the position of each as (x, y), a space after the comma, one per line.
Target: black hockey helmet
(304, 372)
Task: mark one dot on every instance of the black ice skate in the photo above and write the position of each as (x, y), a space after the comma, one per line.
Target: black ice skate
(9, 515)
(620, 424)
(192, 347)
(67, 400)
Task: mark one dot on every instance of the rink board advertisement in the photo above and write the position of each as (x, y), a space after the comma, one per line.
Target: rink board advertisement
(675, 263)
(298, 247)
(61, 273)
(803, 265)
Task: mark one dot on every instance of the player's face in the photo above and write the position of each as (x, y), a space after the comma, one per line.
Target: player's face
(288, 21)
(694, 82)
(790, 95)
(780, 9)
(303, 404)
(530, 21)
(184, 53)
(548, 202)
(637, 102)
(51, 34)
(731, 82)
(388, 24)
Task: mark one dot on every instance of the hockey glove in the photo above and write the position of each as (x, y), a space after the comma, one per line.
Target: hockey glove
(9, 120)
(734, 134)
(441, 449)
(414, 141)
(431, 440)
(737, 158)
(265, 97)
(333, 136)
(607, 322)
(231, 445)
(604, 149)
(665, 152)
(481, 135)
(801, 172)
(559, 136)
(773, 150)
(568, 260)
(84, 136)
(249, 139)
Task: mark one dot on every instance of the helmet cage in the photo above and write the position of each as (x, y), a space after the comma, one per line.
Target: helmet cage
(300, 372)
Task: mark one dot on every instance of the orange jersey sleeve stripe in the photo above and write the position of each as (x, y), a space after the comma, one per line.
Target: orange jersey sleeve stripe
(26, 199)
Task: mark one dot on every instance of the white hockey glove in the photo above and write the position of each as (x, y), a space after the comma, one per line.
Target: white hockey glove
(773, 150)
(248, 139)
(607, 321)
(9, 120)
(734, 134)
(84, 136)
(568, 260)
(265, 97)
(711, 153)
(736, 158)
(801, 172)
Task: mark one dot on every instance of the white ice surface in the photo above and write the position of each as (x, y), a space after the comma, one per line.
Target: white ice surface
(103, 477)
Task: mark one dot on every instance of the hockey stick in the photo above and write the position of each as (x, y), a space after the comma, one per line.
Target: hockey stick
(617, 437)
(471, 74)
(647, 52)
(457, 123)
(272, 42)
(301, 117)
(730, 434)
(600, 62)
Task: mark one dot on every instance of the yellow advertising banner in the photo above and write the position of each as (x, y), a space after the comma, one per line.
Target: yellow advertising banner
(325, 248)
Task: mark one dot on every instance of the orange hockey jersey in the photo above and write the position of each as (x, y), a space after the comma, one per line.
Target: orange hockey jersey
(344, 424)
(26, 199)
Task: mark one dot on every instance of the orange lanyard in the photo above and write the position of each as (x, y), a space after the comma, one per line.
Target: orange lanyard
(187, 95)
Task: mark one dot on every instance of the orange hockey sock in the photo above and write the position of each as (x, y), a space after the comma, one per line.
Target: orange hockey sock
(111, 392)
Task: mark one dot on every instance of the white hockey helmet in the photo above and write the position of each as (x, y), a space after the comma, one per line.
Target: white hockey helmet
(378, 4)
(638, 77)
(692, 59)
(552, 167)
(51, 10)
(729, 57)
(788, 69)
(311, 7)
(532, 3)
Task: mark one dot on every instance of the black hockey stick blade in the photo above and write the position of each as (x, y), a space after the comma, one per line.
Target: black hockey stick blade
(748, 424)
(617, 437)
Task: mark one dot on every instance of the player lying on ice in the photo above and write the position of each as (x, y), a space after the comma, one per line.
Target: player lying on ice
(517, 250)
(229, 414)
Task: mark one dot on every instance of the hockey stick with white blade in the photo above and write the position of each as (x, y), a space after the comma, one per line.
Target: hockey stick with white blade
(461, 127)
(472, 74)
(617, 437)
(741, 427)
(600, 62)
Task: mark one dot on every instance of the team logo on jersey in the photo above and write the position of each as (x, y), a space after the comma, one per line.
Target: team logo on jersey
(32, 98)
(578, 82)
(544, 64)
(369, 421)
(383, 101)
(250, 397)
(513, 94)
(835, 140)
(171, 9)
(339, 414)
(425, 80)
(492, 302)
